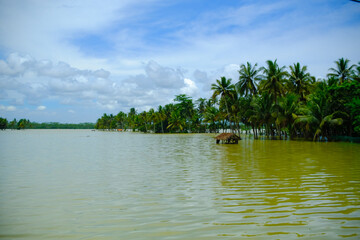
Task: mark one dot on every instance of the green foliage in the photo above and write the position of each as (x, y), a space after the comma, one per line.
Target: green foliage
(354, 107)
(13, 124)
(26, 124)
(284, 104)
(23, 124)
(176, 122)
(249, 76)
(226, 90)
(299, 81)
(274, 79)
(3, 123)
(56, 125)
(343, 71)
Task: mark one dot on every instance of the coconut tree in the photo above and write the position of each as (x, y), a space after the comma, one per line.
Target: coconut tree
(343, 71)
(316, 121)
(161, 117)
(242, 106)
(274, 79)
(356, 73)
(120, 119)
(201, 105)
(299, 80)
(225, 89)
(211, 116)
(152, 118)
(132, 120)
(260, 113)
(284, 117)
(354, 106)
(249, 75)
(317, 117)
(143, 120)
(186, 107)
(200, 110)
(3, 123)
(176, 121)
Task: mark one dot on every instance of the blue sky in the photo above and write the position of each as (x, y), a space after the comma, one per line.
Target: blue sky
(72, 61)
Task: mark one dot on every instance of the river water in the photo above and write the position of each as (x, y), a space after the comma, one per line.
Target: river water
(81, 184)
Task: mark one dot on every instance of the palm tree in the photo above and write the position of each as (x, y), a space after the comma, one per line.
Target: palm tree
(132, 120)
(317, 117)
(186, 107)
(120, 119)
(356, 73)
(152, 117)
(211, 116)
(299, 80)
(225, 89)
(176, 121)
(249, 75)
(144, 119)
(201, 102)
(274, 79)
(200, 110)
(284, 118)
(260, 113)
(343, 71)
(3, 123)
(161, 116)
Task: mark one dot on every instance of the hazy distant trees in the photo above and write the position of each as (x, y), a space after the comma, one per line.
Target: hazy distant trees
(27, 124)
(3, 123)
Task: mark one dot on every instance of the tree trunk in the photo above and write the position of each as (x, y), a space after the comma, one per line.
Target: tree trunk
(279, 132)
(228, 114)
(252, 127)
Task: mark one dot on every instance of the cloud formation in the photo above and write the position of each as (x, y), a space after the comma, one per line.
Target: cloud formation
(86, 58)
(7, 108)
(190, 88)
(25, 80)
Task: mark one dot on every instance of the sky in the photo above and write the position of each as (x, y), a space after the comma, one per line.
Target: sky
(71, 61)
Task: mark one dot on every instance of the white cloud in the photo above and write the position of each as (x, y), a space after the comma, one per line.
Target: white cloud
(281, 30)
(126, 34)
(164, 77)
(7, 108)
(27, 80)
(45, 29)
(190, 88)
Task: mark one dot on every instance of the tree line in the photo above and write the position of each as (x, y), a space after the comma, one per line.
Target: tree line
(272, 101)
(27, 124)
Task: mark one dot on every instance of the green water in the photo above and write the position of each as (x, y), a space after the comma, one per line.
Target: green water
(79, 184)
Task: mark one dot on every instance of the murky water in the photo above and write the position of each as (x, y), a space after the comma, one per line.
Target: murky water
(76, 184)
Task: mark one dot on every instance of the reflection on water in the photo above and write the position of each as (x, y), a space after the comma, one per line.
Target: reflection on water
(103, 185)
(301, 189)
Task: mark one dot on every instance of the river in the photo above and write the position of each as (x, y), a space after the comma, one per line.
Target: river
(83, 184)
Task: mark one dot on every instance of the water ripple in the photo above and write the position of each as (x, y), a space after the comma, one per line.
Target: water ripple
(108, 185)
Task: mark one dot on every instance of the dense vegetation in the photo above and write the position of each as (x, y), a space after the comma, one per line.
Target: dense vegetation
(26, 124)
(272, 101)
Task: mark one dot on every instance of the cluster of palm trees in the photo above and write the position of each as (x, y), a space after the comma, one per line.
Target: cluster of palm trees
(270, 101)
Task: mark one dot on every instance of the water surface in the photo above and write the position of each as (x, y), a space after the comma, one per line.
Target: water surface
(80, 184)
